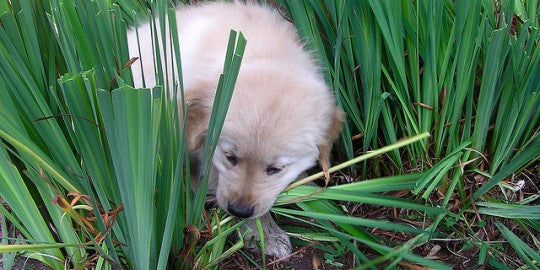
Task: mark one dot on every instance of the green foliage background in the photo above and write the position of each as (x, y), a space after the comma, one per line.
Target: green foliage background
(93, 173)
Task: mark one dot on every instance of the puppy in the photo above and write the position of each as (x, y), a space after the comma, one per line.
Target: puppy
(282, 117)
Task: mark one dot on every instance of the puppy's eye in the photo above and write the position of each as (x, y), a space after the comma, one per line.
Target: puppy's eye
(232, 159)
(272, 170)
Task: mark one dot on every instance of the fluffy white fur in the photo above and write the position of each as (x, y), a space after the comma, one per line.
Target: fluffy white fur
(282, 116)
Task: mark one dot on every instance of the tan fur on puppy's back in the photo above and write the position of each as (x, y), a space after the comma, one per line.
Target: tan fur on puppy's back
(204, 31)
(265, 29)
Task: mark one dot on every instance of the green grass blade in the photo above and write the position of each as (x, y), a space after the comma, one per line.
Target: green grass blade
(233, 59)
(529, 155)
(131, 121)
(15, 193)
(530, 256)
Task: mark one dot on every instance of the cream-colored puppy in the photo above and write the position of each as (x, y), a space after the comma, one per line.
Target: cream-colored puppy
(282, 117)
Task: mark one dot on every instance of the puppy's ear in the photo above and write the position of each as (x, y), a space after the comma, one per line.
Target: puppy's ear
(338, 117)
(198, 113)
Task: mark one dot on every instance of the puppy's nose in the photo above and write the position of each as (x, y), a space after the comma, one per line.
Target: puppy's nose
(240, 210)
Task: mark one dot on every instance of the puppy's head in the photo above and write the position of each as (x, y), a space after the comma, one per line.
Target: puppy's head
(274, 130)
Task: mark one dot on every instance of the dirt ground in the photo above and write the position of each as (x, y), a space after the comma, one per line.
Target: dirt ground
(25, 263)
(455, 247)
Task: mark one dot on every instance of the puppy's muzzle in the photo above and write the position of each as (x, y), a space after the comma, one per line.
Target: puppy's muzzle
(240, 210)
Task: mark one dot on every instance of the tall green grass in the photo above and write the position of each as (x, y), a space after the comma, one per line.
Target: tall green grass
(465, 71)
(75, 127)
(96, 173)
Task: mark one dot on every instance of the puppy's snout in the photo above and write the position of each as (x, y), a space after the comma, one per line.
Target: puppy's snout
(240, 209)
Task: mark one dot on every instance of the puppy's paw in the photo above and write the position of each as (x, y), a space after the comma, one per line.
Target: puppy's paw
(277, 244)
